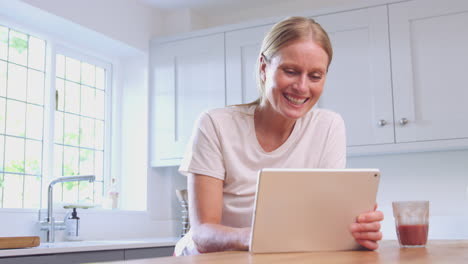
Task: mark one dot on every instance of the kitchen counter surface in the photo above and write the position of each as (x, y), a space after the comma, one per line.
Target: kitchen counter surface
(91, 245)
(437, 251)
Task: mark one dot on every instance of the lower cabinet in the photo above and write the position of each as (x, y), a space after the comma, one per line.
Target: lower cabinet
(91, 256)
(42, 259)
(141, 253)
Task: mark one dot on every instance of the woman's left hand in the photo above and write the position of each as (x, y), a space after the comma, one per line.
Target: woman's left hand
(366, 230)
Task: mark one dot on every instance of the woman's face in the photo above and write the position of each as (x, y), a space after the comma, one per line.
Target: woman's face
(294, 78)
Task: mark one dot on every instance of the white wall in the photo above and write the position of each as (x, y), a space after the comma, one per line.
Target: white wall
(261, 9)
(134, 133)
(127, 21)
(94, 225)
(186, 20)
(181, 21)
(440, 177)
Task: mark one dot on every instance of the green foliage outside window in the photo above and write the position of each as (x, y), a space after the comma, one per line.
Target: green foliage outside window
(33, 166)
(69, 185)
(15, 166)
(18, 166)
(3, 35)
(17, 43)
(70, 138)
(85, 155)
(68, 170)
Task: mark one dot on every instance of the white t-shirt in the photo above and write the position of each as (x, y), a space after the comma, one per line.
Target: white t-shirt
(224, 146)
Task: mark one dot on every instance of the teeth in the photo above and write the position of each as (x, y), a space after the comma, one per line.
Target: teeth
(295, 100)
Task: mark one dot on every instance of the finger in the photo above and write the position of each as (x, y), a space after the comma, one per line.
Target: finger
(375, 236)
(369, 244)
(365, 227)
(370, 217)
(373, 210)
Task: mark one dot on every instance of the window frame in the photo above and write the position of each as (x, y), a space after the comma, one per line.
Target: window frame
(67, 51)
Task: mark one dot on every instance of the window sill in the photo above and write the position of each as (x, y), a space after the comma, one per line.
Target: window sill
(82, 211)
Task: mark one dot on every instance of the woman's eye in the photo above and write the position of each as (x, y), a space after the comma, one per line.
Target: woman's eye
(290, 72)
(316, 76)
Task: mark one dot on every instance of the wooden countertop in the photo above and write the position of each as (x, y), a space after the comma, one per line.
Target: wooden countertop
(437, 251)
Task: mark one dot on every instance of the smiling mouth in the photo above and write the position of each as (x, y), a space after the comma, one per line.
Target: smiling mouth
(295, 100)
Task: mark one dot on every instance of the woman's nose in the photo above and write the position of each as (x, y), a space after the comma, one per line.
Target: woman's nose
(300, 85)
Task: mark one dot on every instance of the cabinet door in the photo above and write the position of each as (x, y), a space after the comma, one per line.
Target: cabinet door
(187, 77)
(429, 44)
(242, 50)
(40, 259)
(358, 84)
(89, 256)
(141, 253)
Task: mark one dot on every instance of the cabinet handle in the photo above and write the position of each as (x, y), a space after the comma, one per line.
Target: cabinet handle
(403, 121)
(382, 123)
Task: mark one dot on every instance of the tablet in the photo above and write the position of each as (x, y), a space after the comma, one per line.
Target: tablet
(299, 210)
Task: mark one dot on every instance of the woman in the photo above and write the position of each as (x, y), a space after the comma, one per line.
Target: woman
(278, 130)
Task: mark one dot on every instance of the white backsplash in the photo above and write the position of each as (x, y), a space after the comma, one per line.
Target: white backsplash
(440, 177)
(94, 225)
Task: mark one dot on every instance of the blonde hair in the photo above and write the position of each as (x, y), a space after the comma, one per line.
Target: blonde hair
(283, 33)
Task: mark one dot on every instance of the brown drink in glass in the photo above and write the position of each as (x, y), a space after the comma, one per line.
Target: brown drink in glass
(412, 222)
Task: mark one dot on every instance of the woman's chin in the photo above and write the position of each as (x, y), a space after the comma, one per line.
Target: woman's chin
(294, 114)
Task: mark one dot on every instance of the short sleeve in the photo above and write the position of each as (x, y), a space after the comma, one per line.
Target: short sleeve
(334, 153)
(204, 152)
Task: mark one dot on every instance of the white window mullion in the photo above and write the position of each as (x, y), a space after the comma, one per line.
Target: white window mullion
(49, 132)
(108, 132)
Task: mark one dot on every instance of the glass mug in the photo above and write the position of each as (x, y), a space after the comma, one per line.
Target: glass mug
(411, 222)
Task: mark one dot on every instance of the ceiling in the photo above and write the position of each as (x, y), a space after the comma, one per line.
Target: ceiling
(198, 4)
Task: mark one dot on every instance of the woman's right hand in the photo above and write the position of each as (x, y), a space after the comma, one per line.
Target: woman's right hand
(214, 238)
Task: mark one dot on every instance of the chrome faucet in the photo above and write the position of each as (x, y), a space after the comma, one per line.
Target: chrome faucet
(49, 224)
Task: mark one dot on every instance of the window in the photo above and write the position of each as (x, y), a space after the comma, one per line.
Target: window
(79, 128)
(22, 75)
(76, 143)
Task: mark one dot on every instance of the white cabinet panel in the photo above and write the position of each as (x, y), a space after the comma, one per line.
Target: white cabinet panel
(429, 41)
(358, 84)
(242, 50)
(187, 78)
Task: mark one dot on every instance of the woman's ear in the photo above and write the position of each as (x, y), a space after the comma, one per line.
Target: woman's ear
(262, 68)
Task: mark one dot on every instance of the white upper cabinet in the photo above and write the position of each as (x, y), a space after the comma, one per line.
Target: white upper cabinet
(242, 50)
(187, 77)
(358, 84)
(429, 46)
